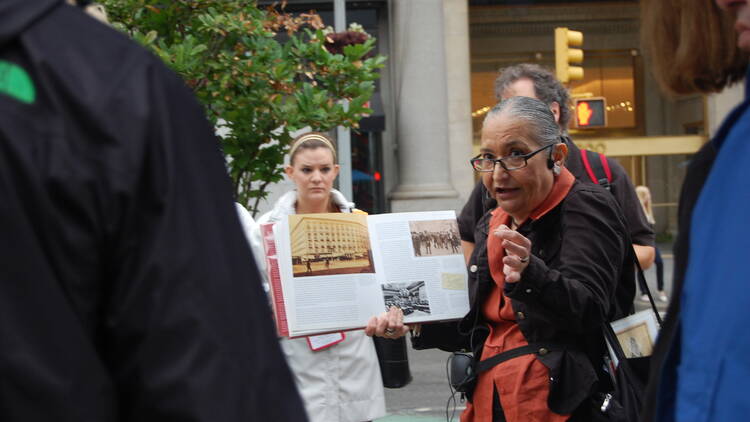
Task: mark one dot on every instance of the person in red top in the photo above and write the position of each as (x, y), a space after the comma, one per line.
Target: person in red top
(542, 277)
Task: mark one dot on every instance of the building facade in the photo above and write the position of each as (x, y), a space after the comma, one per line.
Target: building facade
(319, 238)
(443, 58)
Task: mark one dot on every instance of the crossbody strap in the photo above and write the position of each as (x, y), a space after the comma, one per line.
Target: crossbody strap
(644, 288)
(533, 348)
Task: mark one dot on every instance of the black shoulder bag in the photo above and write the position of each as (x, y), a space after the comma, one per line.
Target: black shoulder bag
(629, 377)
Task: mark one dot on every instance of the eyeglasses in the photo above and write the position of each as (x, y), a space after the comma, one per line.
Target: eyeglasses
(509, 163)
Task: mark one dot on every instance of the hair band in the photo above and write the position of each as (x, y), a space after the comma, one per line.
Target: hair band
(311, 137)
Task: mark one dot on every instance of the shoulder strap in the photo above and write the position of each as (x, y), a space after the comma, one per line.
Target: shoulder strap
(598, 170)
(644, 288)
(532, 348)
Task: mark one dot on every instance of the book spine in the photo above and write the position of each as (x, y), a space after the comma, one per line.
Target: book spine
(274, 279)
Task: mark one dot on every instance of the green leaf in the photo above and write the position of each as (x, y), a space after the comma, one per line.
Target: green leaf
(243, 73)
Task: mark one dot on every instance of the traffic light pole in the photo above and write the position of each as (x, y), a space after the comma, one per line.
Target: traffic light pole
(343, 135)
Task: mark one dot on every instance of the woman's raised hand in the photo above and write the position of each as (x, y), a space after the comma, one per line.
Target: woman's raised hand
(517, 253)
(388, 324)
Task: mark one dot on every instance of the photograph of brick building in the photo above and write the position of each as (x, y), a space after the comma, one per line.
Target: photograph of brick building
(326, 244)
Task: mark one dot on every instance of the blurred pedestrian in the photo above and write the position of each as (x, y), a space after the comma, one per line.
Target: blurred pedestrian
(644, 196)
(699, 366)
(126, 292)
(338, 374)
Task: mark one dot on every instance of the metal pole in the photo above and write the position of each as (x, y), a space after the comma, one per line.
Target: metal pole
(343, 135)
(339, 15)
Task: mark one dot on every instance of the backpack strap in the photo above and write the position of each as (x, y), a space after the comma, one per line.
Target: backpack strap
(598, 170)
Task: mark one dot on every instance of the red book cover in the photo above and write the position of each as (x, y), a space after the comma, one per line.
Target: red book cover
(274, 278)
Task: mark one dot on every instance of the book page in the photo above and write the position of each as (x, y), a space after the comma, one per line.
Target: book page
(420, 264)
(338, 270)
(327, 272)
(637, 333)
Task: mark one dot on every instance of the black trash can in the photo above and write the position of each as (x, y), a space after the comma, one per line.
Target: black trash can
(394, 361)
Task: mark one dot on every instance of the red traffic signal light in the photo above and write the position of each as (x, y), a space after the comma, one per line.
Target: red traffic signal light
(591, 112)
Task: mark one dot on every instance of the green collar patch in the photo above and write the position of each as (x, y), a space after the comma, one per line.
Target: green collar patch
(16, 83)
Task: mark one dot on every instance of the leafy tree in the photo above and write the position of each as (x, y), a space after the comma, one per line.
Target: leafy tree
(261, 73)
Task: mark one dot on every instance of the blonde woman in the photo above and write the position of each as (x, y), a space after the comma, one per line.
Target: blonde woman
(644, 196)
(340, 382)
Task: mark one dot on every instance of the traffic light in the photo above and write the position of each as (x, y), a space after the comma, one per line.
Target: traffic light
(591, 112)
(564, 55)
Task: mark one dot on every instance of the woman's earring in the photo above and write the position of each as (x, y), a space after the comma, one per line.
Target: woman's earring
(556, 169)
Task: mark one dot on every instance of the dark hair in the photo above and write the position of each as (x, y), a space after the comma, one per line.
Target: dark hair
(546, 87)
(691, 45)
(311, 140)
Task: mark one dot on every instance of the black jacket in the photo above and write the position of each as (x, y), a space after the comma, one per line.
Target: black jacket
(127, 289)
(580, 250)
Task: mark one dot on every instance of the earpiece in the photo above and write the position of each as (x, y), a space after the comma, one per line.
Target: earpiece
(550, 161)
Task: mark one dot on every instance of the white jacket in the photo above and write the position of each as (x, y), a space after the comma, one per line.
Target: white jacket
(341, 383)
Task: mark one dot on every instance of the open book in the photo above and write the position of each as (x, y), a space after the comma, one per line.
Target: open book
(332, 272)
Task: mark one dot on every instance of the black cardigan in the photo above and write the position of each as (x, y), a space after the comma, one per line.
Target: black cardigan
(580, 251)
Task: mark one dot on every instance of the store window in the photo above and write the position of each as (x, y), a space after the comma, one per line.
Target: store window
(611, 75)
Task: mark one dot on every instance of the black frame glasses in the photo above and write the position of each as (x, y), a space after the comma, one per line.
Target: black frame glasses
(519, 161)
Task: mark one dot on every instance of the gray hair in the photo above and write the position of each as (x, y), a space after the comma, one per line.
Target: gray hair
(546, 87)
(532, 111)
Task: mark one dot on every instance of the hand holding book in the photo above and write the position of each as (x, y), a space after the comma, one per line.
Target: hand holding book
(388, 324)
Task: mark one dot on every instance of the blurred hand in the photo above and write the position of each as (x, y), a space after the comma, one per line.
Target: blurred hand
(517, 253)
(388, 324)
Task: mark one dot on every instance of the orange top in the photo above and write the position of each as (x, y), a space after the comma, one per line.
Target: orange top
(522, 382)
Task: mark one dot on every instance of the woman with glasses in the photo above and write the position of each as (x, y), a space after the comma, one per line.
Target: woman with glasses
(542, 276)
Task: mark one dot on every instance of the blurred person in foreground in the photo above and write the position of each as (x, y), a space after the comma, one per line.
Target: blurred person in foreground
(338, 374)
(699, 369)
(126, 289)
(543, 274)
(532, 80)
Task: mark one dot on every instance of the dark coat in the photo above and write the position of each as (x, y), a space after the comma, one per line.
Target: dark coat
(580, 249)
(669, 335)
(127, 289)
